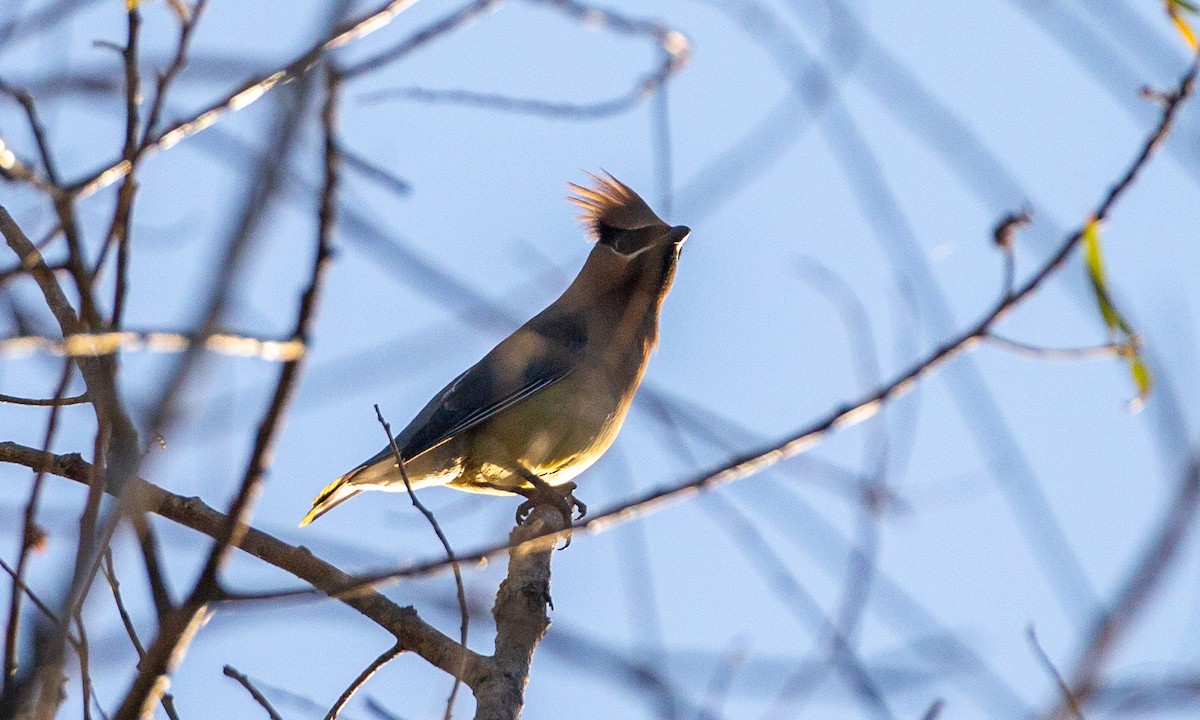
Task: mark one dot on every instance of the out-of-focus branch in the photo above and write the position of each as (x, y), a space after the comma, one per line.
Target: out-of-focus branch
(248, 93)
(110, 343)
(447, 24)
(1143, 580)
(12, 167)
(674, 46)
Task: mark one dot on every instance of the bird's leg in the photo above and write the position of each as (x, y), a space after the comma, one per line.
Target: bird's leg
(542, 493)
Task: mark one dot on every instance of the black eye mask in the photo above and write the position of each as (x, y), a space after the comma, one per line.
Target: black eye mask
(627, 242)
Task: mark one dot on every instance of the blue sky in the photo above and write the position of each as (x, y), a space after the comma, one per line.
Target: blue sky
(1048, 90)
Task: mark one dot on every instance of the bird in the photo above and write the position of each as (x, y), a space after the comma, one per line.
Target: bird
(549, 400)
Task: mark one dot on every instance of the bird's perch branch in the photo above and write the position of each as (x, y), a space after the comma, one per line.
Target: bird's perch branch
(521, 618)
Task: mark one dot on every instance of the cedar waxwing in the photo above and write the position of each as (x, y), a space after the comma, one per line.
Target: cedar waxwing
(545, 403)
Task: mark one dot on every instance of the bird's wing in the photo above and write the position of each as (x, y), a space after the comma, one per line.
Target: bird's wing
(532, 359)
(471, 400)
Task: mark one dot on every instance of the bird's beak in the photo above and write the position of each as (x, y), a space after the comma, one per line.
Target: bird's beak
(679, 233)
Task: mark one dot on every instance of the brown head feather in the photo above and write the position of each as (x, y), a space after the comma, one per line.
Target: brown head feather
(610, 202)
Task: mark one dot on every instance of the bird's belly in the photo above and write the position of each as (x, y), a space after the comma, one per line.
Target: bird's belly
(556, 439)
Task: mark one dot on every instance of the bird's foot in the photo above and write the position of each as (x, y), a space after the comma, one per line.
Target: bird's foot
(561, 498)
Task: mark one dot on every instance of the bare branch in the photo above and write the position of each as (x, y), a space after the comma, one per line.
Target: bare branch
(402, 622)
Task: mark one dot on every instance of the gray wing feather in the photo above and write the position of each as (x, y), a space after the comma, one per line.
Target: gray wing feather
(479, 394)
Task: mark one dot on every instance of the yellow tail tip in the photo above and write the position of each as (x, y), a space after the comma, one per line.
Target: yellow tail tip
(334, 494)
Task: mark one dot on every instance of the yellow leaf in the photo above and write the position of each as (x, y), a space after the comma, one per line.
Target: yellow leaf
(1118, 327)
(1095, 265)
(1185, 30)
(1175, 9)
(1143, 379)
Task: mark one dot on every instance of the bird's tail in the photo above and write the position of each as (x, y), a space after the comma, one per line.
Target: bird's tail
(334, 494)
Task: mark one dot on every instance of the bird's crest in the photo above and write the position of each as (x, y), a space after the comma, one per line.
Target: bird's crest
(611, 206)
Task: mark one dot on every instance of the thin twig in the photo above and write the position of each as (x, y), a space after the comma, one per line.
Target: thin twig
(108, 569)
(37, 601)
(18, 271)
(259, 698)
(85, 665)
(25, 100)
(44, 402)
(187, 26)
(1108, 350)
(1005, 238)
(32, 536)
(118, 231)
(1064, 689)
(375, 666)
(464, 615)
(110, 574)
